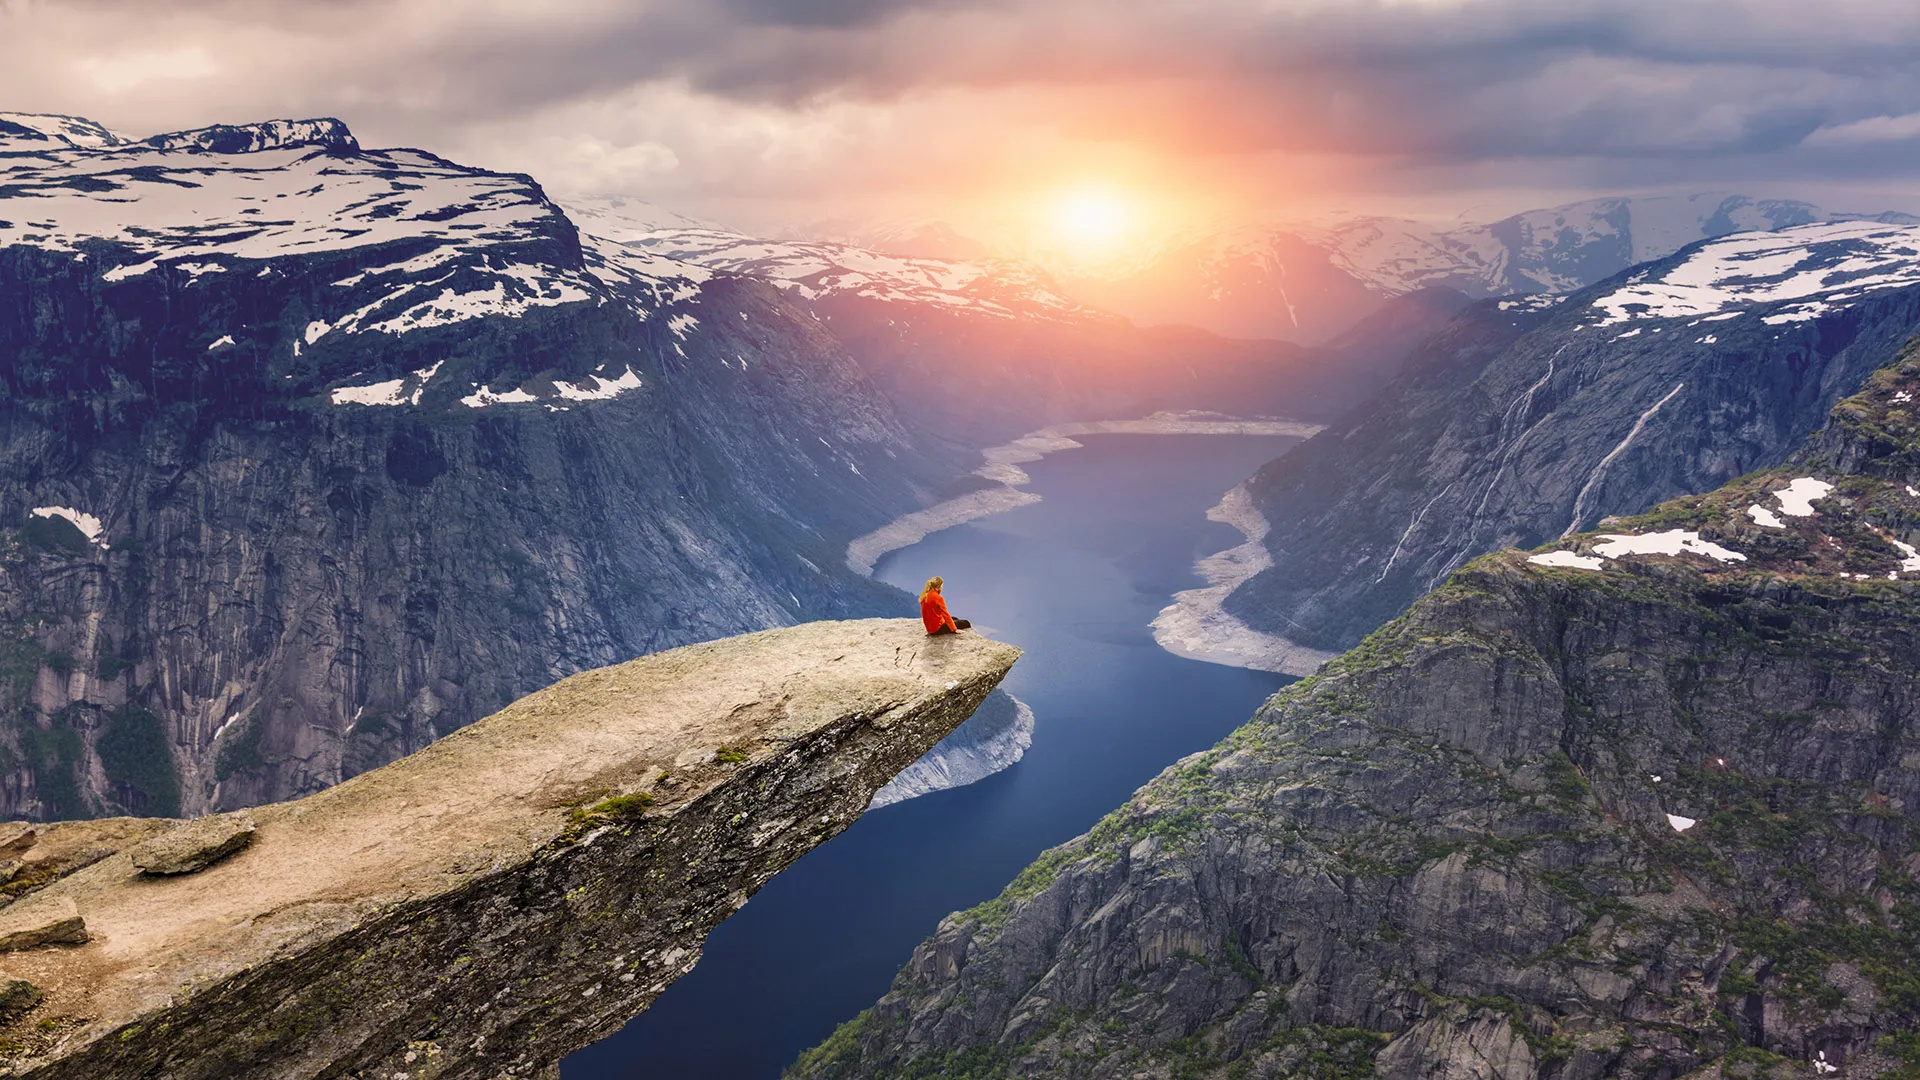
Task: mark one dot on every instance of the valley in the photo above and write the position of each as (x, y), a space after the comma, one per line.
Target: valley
(1074, 579)
(1638, 805)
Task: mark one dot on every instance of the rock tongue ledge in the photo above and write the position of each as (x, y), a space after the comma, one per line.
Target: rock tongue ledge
(515, 891)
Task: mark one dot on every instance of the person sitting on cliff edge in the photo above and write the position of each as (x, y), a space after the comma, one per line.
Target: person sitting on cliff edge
(933, 610)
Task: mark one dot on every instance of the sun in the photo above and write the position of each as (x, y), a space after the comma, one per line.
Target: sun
(1092, 220)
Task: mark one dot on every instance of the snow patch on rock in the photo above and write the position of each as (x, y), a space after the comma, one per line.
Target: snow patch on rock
(1568, 560)
(1911, 561)
(1796, 499)
(1669, 542)
(1613, 546)
(486, 396)
(596, 388)
(388, 392)
(88, 525)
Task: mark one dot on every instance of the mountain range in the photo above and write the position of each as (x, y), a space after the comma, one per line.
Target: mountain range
(1309, 282)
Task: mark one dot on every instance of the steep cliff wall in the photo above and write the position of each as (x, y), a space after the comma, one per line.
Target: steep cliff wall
(1531, 418)
(1646, 805)
(387, 448)
(494, 902)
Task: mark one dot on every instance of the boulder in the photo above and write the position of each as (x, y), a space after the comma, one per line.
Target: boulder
(15, 838)
(16, 997)
(195, 845)
(29, 924)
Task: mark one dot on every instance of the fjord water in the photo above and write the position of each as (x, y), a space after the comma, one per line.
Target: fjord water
(1074, 580)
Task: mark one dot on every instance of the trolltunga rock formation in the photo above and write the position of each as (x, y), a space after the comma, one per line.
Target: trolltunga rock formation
(512, 893)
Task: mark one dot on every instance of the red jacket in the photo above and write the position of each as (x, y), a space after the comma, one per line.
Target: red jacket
(933, 612)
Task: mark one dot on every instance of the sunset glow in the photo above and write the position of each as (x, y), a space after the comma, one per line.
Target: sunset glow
(1093, 221)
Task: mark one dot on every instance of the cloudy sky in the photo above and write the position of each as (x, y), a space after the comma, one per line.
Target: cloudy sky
(764, 112)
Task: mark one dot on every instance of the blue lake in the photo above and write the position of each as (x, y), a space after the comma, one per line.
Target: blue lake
(1074, 580)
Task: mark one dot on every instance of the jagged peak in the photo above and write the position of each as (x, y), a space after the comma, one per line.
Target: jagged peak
(73, 131)
(266, 135)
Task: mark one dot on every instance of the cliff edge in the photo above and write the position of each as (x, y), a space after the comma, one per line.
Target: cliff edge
(481, 908)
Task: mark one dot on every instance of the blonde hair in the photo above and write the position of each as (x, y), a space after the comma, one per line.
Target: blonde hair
(933, 586)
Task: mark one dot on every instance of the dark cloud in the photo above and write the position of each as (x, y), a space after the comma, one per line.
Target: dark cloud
(837, 14)
(736, 91)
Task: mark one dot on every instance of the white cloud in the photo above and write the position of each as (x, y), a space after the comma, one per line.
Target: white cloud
(130, 70)
(1874, 129)
(592, 165)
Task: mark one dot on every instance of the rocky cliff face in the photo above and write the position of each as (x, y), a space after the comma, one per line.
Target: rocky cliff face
(1528, 419)
(363, 445)
(488, 905)
(1647, 804)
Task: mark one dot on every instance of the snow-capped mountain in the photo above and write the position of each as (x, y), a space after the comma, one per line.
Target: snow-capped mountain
(26, 131)
(1558, 249)
(315, 452)
(1244, 282)
(1003, 288)
(1310, 282)
(232, 200)
(1530, 418)
(1798, 275)
(914, 238)
(623, 220)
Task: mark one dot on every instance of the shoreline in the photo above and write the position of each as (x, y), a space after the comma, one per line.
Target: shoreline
(1196, 625)
(957, 761)
(1002, 466)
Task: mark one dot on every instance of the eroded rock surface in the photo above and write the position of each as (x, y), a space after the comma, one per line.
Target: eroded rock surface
(505, 896)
